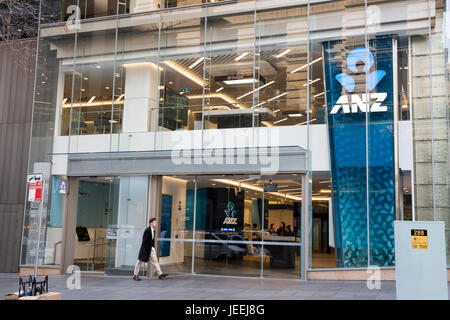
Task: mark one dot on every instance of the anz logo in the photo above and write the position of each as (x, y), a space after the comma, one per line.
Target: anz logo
(230, 212)
(356, 102)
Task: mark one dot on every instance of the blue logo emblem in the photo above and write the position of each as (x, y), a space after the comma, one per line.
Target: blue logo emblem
(230, 211)
(364, 55)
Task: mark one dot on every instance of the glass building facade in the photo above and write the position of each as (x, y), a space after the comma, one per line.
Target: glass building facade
(351, 97)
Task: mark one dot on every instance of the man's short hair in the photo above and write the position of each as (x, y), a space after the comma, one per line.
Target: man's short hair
(151, 220)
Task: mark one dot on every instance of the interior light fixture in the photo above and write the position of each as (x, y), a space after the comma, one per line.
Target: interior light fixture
(120, 97)
(65, 100)
(93, 104)
(279, 121)
(311, 82)
(318, 95)
(306, 122)
(98, 67)
(184, 71)
(259, 189)
(267, 84)
(92, 99)
(239, 81)
(283, 53)
(304, 66)
(241, 56)
(86, 78)
(196, 63)
(278, 110)
(220, 89)
(325, 191)
(222, 96)
(278, 96)
(295, 115)
(113, 121)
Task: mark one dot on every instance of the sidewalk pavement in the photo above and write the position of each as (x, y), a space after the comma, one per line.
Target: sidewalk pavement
(199, 287)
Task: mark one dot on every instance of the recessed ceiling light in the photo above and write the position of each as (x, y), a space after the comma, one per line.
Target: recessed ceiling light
(86, 78)
(98, 67)
(304, 66)
(107, 88)
(196, 63)
(240, 81)
(242, 56)
(278, 121)
(283, 53)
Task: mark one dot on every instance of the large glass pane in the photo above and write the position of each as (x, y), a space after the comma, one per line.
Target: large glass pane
(132, 220)
(181, 85)
(336, 29)
(176, 224)
(228, 232)
(135, 84)
(90, 110)
(282, 225)
(96, 216)
(229, 76)
(47, 102)
(280, 97)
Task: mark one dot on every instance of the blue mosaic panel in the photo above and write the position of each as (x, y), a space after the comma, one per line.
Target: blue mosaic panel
(345, 75)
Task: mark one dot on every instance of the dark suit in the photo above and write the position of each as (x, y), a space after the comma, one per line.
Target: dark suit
(148, 242)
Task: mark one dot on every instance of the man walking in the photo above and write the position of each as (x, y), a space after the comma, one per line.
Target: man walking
(148, 252)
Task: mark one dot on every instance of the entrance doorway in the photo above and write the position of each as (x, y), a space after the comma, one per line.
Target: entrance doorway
(95, 212)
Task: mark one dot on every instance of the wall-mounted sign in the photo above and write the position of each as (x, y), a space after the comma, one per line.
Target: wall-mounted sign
(419, 239)
(270, 187)
(34, 187)
(360, 107)
(62, 186)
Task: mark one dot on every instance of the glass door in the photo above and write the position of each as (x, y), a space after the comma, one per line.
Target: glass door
(127, 222)
(94, 213)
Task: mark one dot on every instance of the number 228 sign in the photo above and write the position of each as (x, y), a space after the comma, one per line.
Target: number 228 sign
(34, 187)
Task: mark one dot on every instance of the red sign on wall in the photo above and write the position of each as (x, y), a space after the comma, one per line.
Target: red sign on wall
(34, 187)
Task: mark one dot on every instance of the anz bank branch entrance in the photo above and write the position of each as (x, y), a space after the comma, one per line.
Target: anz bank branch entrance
(232, 224)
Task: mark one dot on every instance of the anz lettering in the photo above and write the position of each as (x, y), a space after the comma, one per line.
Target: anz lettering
(357, 103)
(354, 103)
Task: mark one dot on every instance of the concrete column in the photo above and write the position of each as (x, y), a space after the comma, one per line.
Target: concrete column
(141, 95)
(70, 206)
(306, 203)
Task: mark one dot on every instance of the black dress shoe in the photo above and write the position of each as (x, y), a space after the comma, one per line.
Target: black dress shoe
(163, 275)
(136, 278)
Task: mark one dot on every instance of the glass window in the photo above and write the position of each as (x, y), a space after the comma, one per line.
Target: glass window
(280, 96)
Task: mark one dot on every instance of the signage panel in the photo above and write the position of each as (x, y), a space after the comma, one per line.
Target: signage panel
(359, 101)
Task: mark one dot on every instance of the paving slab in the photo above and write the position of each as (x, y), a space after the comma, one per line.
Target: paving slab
(198, 287)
